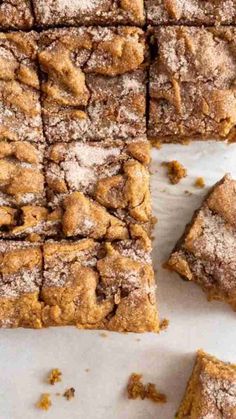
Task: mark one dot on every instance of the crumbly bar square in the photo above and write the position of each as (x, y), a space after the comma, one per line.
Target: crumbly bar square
(20, 282)
(191, 12)
(16, 14)
(192, 84)
(89, 12)
(20, 111)
(102, 188)
(94, 83)
(99, 285)
(206, 254)
(211, 390)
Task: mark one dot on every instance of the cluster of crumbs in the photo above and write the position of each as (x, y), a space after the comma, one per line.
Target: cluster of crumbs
(44, 402)
(176, 171)
(54, 376)
(136, 389)
(69, 394)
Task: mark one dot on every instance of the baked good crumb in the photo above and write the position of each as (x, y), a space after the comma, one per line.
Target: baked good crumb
(104, 335)
(136, 389)
(164, 324)
(54, 376)
(211, 390)
(69, 394)
(176, 171)
(206, 253)
(44, 402)
(200, 182)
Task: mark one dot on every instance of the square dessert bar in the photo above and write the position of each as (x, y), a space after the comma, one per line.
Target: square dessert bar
(16, 14)
(20, 111)
(89, 12)
(94, 83)
(195, 12)
(206, 254)
(211, 390)
(192, 84)
(20, 281)
(102, 188)
(97, 285)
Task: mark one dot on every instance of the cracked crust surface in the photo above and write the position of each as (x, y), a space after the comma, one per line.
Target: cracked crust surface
(192, 84)
(101, 187)
(195, 12)
(20, 111)
(20, 282)
(99, 285)
(15, 14)
(81, 67)
(89, 12)
(211, 390)
(206, 254)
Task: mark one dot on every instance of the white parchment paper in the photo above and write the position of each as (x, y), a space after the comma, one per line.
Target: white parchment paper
(26, 356)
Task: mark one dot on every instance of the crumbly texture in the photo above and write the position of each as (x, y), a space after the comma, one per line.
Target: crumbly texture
(80, 69)
(195, 12)
(211, 390)
(98, 285)
(54, 376)
(200, 182)
(192, 78)
(89, 12)
(44, 402)
(102, 188)
(20, 282)
(136, 389)
(206, 254)
(16, 14)
(20, 111)
(164, 324)
(69, 394)
(176, 171)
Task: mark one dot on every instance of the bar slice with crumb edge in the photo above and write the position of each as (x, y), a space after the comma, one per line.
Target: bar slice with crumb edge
(16, 14)
(191, 12)
(94, 83)
(21, 274)
(102, 187)
(206, 254)
(211, 390)
(100, 285)
(89, 12)
(192, 84)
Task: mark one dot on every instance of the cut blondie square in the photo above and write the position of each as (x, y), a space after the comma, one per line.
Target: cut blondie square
(20, 111)
(192, 84)
(211, 390)
(100, 285)
(89, 12)
(16, 14)
(94, 83)
(20, 282)
(206, 254)
(102, 188)
(191, 12)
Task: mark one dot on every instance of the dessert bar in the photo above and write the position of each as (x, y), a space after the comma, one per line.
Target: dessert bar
(211, 390)
(94, 83)
(206, 254)
(20, 112)
(192, 84)
(191, 12)
(89, 12)
(102, 188)
(20, 282)
(16, 14)
(97, 285)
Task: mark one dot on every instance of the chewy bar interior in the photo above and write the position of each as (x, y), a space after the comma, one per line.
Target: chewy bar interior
(102, 187)
(94, 285)
(192, 92)
(211, 390)
(20, 111)
(94, 83)
(88, 12)
(206, 254)
(16, 14)
(195, 12)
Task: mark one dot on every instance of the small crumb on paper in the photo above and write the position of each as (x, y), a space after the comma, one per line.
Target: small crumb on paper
(136, 389)
(200, 182)
(176, 171)
(54, 376)
(69, 394)
(164, 324)
(44, 402)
